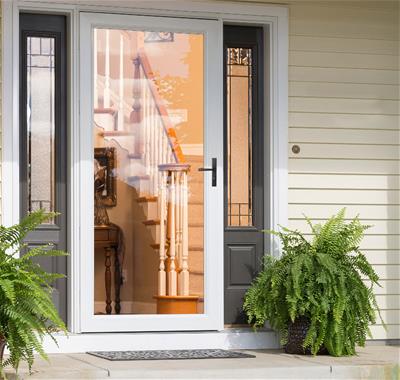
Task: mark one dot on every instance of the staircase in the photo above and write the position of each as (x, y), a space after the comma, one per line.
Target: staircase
(169, 188)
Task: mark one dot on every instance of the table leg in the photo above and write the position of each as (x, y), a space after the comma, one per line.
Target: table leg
(107, 251)
(117, 277)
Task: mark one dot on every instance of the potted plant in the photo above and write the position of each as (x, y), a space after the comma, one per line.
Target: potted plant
(319, 293)
(27, 313)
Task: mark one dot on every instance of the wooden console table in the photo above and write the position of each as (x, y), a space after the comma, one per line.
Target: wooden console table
(107, 237)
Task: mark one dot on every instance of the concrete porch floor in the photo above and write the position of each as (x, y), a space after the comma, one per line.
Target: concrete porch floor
(372, 362)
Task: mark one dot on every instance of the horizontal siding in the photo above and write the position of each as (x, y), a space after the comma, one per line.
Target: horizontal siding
(344, 106)
(344, 196)
(341, 120)
(345, 181)
(388, 286)
(344, 90)
(377, 227)
(391, 331)
(330, 20)
(344, 115)
(323, 211)
(338, 165)
(339, 136)
(343, 60)
(343, 75)
(347, 151)
(342, 45)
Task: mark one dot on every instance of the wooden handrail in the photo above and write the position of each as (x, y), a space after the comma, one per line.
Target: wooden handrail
(162, 110)
(173, 167)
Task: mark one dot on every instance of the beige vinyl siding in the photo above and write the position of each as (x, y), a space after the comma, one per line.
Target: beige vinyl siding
(344, 115)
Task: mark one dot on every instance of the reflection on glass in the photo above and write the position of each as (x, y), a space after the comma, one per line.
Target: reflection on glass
(40, 123)
(239, 137)
(148, 138)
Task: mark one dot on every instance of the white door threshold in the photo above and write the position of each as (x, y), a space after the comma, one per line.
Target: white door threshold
(243, 338)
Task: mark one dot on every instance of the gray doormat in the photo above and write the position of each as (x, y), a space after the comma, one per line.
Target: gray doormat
(169, 354)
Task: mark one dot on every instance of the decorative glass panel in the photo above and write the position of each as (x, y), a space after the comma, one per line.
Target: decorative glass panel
(239, 137)
(41, 123)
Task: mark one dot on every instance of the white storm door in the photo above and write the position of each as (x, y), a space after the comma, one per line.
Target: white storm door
(151, 223)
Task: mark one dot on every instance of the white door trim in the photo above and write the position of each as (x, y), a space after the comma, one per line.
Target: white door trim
(212, 318)
(272, 16)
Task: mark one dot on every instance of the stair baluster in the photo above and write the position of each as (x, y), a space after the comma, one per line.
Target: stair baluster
(136, 114)
(184, 273)
(172, 274)
(95, 93)
(121, 84)
(106, 94)
(162, 279)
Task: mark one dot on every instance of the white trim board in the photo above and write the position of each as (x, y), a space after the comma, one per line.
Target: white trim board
(271, 16)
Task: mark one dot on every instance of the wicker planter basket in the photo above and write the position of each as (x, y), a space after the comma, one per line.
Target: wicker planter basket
(297, 332)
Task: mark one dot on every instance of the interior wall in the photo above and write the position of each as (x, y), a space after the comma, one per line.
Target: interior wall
(179, 78)
(140, 261)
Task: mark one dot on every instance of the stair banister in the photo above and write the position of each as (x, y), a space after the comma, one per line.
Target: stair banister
(162, 111)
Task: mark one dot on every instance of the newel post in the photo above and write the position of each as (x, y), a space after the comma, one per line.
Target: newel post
(174, 199)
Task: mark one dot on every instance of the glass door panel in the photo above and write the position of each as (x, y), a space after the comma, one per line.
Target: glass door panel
(154, 222)
(148, 145)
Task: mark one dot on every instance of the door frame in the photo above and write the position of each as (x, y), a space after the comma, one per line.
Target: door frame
(273, 17)
(212, 318)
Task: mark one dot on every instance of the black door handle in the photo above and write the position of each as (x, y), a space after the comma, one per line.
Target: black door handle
(213, 169)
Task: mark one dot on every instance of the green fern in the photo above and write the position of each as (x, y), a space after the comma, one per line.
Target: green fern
(322, 280)
(27, 313)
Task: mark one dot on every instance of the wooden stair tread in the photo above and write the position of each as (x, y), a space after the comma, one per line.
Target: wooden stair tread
(196, 272)
(117, 133)
(110, 111)
(200, 225)
(147, 199)
(192, 248)
(136, 177)
(151, 222)
(196, 248)
(154, 222)
(195, 202)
